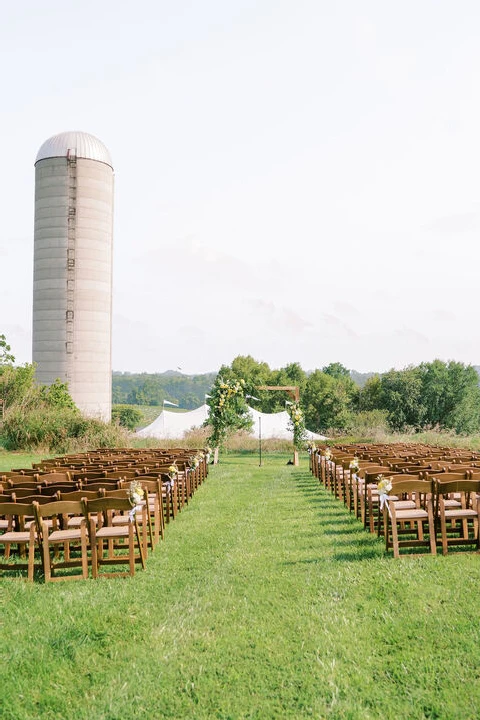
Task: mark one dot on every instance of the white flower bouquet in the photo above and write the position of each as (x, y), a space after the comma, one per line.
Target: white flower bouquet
(354, 465)
(136, 492)
(384, 485)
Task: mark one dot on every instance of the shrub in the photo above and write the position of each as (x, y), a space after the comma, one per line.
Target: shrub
(58, 430)
(127, 416)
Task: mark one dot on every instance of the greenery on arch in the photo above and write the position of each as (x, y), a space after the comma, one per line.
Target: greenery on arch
(228, 409)
(297, 425)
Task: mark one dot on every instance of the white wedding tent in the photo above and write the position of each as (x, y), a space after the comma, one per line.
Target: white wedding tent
(173, 425)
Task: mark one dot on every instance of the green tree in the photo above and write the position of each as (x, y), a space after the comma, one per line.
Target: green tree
(57, 395)
(127, 416)
(336, 370)
(466, 418)
(17, 384)
(327, 402)
(6, 358)
(448, 393)
(254, 373)
(402, 398)
(370, 397)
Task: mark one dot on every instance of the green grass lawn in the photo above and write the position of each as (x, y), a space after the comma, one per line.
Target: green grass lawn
(266, 600)
(17, 460)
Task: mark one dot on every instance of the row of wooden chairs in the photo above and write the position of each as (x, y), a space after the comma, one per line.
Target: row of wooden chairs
(428, 507)
(47, 528)
(86, 521)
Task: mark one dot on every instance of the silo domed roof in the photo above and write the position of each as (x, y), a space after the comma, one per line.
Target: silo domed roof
(85, 145)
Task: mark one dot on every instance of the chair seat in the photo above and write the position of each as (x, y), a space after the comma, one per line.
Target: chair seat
(113, 531)
(76, 521)
(16, 536)
(461, 513)
(124, 520)
(403, 504)
(452, 503)
(412, 514)
(66, 535)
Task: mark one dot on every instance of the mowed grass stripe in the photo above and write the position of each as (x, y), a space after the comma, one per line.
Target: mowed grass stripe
(266, 600)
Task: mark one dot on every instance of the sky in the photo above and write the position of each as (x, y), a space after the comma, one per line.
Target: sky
(294, 180)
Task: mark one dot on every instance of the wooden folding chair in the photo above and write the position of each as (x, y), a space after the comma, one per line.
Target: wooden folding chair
(54, 533)
(144, 519)
(459, 522)
(367, 475)
(402, 502)
(55, 477)
(155, 511)
(421, 492)
(21, 534)
(105, 530)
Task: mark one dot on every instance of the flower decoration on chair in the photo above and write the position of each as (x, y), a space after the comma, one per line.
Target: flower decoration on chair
(173, 472)
(297, 425)
(311, 447)
(208, 452)
(384, 485)
(354, 465)
(327, 454)
(193, 462)
(136, 493)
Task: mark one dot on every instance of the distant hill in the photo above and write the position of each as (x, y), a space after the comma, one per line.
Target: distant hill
(188, 391)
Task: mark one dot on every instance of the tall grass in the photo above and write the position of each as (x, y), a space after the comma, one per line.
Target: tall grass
(266, 600)
(61, 430)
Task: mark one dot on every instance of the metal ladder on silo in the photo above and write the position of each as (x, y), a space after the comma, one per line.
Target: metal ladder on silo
(71, 234)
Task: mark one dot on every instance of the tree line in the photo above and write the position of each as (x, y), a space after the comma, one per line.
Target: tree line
(188, 391)
(433, 395)
(438, 394)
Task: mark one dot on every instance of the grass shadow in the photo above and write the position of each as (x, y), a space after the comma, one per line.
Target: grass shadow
(338, 522)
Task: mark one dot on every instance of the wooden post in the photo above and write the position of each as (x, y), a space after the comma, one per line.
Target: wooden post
(295, 457)
(215, 456)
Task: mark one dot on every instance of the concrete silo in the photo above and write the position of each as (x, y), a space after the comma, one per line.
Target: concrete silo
(72, 278)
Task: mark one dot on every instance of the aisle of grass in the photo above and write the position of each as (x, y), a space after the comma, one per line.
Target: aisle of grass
(266, 600)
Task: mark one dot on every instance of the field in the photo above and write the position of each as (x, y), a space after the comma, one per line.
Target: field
(266, 600)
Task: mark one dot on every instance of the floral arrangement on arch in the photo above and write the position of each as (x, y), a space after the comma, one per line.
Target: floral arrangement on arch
(228, 410)
(297, 425)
